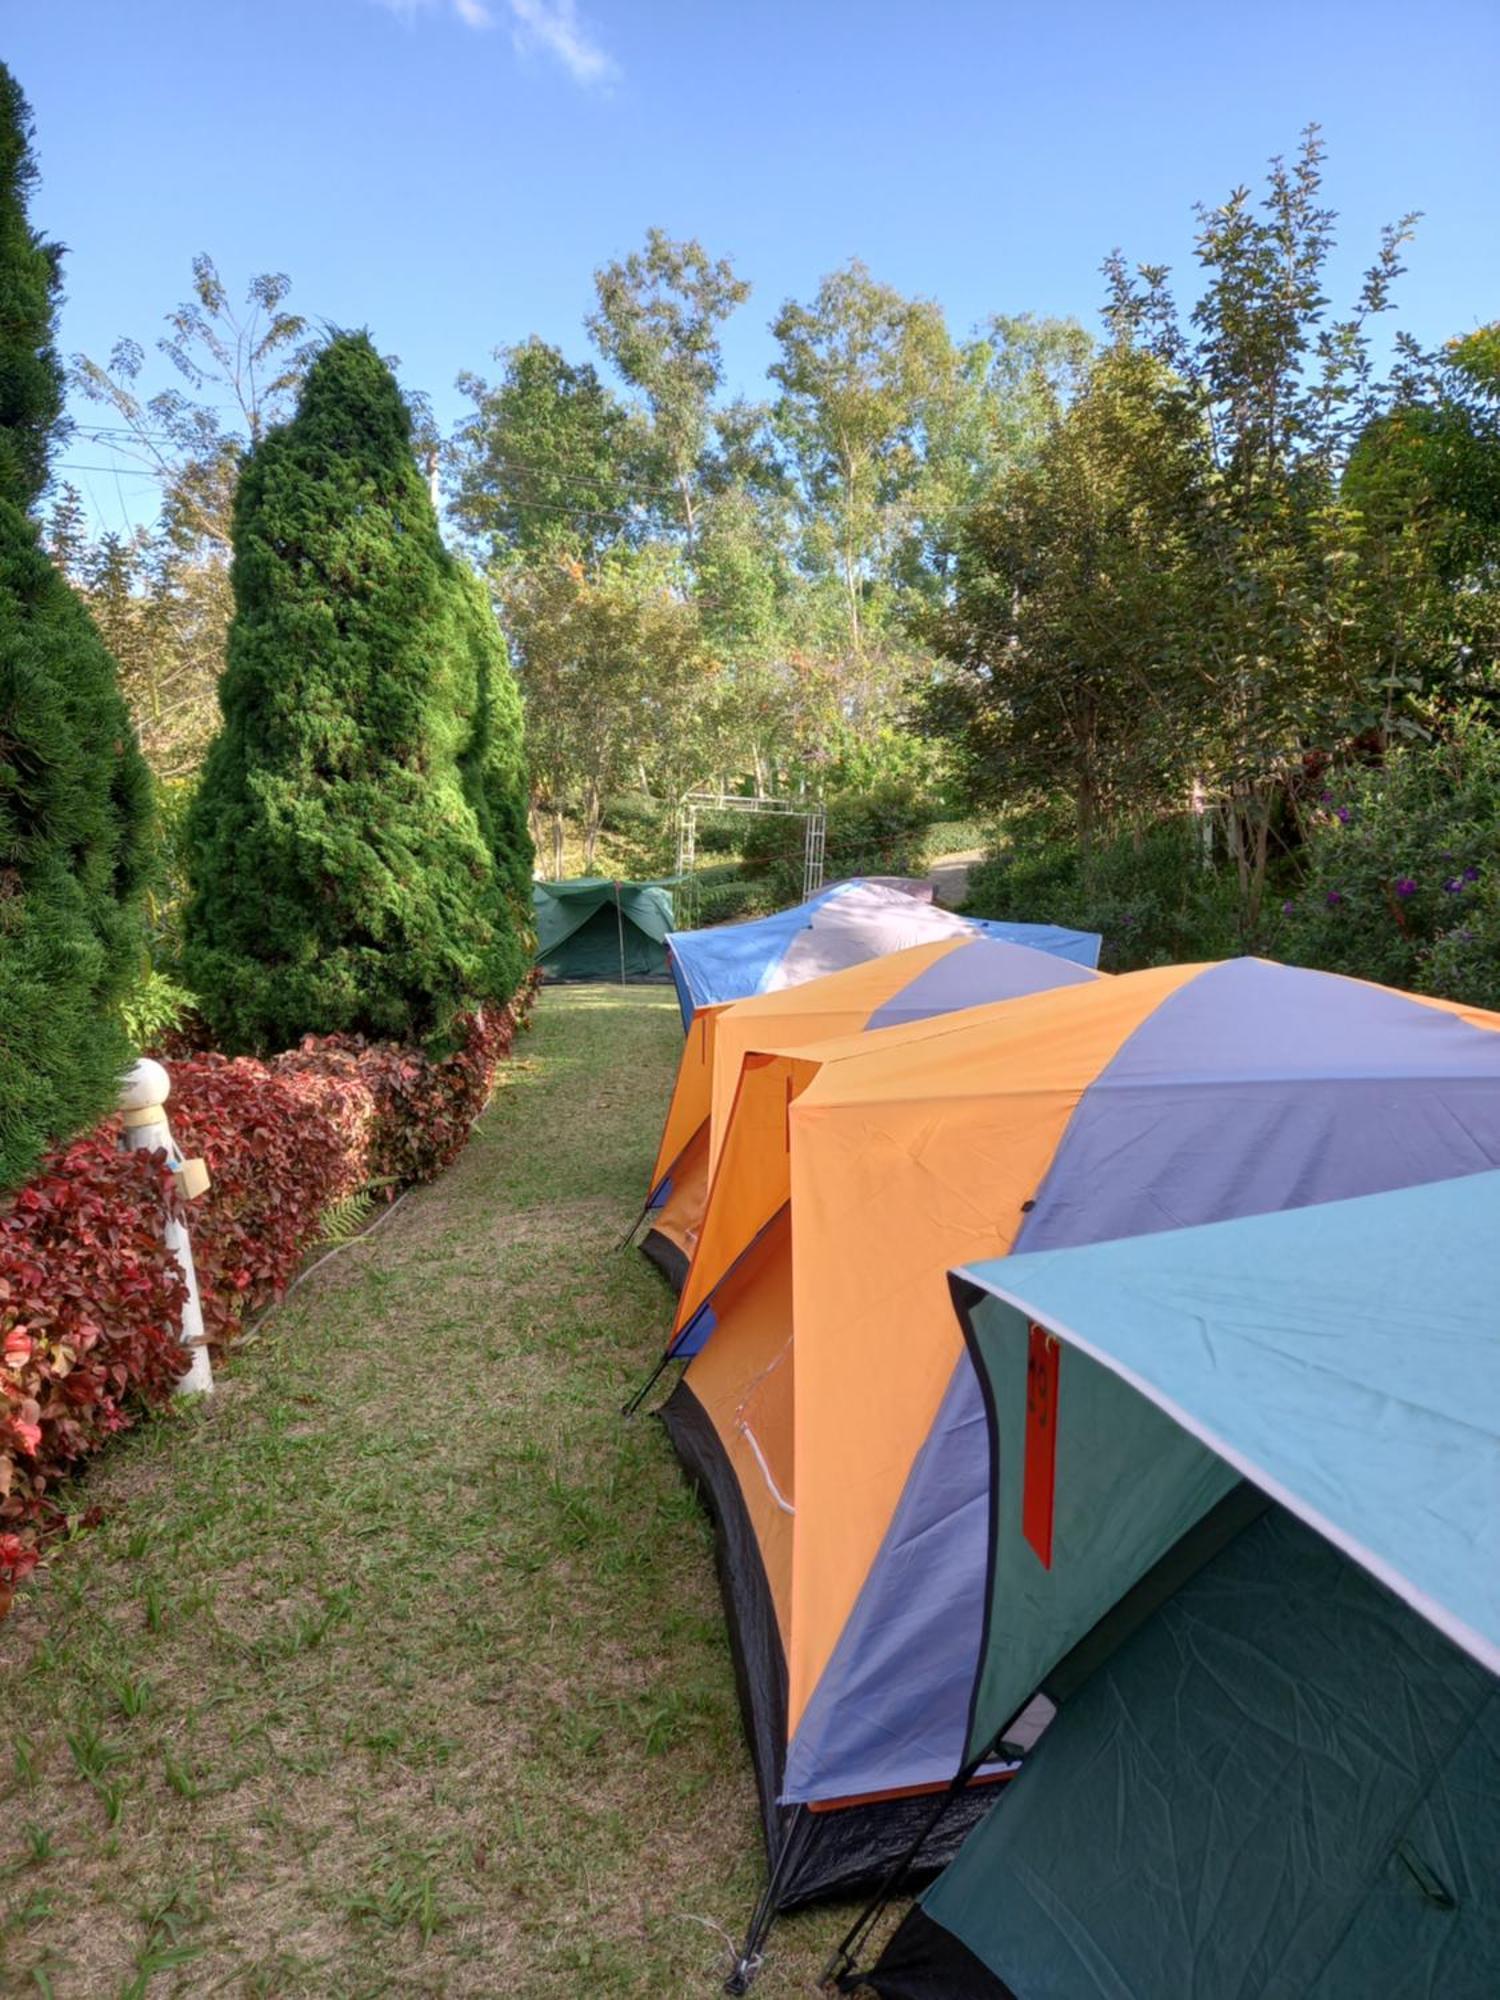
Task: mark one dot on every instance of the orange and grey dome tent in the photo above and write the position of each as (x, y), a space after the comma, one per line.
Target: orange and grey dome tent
(913, 985)
(828, 1407)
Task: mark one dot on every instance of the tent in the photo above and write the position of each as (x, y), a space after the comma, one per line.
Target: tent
(596, 929)
(840, 926)
(828, 1406)
(912, 985)
(1275, 1763)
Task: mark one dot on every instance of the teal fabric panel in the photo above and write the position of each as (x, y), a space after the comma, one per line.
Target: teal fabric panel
(579, 928)
(1216, 1813)
(1128, 1484)
(1345, 1356)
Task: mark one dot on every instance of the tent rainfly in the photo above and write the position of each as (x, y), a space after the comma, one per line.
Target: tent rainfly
(597, 929)
(840, 926)
(913, 985)
(829, 1408)
(1245, 1535)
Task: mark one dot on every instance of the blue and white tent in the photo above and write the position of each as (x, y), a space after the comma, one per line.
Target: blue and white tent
(841, 926)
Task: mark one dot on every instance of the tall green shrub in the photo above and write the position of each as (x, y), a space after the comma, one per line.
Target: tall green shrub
(74, 792)
(340, 876)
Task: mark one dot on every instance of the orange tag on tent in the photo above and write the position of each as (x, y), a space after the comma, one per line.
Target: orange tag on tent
(1040, 1471)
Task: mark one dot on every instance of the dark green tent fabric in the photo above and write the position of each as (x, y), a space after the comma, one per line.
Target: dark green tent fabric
(1284, 1786)
(598, 929)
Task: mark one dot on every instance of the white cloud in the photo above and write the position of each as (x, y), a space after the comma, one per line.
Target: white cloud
(554, 25)
(473, 13)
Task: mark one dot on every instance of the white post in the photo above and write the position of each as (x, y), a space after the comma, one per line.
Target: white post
(143, 1102)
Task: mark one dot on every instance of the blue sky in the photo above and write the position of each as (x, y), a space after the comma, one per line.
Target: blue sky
(450, 172)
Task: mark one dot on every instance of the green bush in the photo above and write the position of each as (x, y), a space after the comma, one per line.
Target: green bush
(881, 832)
(75, 810)
(1150, 896)
(1403, 872)
(354, 853)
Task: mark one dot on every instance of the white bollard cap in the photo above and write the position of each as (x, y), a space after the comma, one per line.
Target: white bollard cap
(144, 1085)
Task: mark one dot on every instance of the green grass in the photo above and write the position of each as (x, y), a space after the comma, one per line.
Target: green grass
(400, 1667)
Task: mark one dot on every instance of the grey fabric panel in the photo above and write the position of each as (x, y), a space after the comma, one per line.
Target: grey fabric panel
(1218, 1811)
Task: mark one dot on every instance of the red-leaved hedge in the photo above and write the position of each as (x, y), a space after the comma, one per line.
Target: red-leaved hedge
(91, 1301)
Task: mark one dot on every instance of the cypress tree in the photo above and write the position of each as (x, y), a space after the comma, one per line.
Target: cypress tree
(340, 878)
(494, 761)
(75, 799)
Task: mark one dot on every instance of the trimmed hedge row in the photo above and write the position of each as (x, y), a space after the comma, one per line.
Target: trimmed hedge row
(90, 1300)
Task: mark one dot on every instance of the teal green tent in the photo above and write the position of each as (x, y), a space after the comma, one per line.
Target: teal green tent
(598, 929)
(1245, 1578)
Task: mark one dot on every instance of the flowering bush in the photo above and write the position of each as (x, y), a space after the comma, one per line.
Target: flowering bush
(90, 1300)
(1404, 872)
(90, 1314)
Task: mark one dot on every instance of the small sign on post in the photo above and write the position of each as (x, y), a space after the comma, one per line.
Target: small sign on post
(143, 1106)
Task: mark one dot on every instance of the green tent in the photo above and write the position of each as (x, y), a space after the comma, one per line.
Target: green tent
(598, 929)
(1244, 1574)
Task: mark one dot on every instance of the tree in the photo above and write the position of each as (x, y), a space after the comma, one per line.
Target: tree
(1281, 393)
(544, 465)
(31, 387)
(614, 676)
(657, 322)
(340, 878)
(1075, 576)
(74, 792)
(236, 369)
(856, 367)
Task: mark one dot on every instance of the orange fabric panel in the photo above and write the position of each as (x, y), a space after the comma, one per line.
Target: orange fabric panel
(680, 1216)
(838, 1004)
(744, 1380)
(906, 1159)
(751, 1181)
(691, 1092)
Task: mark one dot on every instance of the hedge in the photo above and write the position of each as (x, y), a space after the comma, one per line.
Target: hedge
(90, 1299)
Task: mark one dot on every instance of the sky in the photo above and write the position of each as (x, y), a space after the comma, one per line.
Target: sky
(450, 173)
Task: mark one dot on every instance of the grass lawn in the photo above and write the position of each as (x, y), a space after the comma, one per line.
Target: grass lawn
(400, 1667)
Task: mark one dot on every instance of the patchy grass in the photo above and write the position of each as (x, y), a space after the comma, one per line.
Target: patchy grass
(400, 1668)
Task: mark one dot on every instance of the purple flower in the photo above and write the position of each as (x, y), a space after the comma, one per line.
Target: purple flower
(1327, 798)
(1405, 886)
(1288, 909)
(1335, 897)
(1454, 887)
(1344, 815)
(1471, 873)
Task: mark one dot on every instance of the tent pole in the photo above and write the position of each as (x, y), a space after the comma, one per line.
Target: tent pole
(629, 1409)
(752, 1956)
(620, 926)
(841, 1974)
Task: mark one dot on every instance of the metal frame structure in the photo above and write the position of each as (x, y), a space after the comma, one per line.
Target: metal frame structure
(814, 816)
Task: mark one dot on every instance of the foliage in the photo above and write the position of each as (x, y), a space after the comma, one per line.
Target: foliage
(1402, 866)
(543, 464)
(90, 1298)
(341, 881)
(155, 1009)
(611, 669)
(1270, 656)
(74, 798)
(879, 832)
(162, 594)
(1151, 894)
(31, 389)
(657, 322)
(1075, 577)
(90, 1309)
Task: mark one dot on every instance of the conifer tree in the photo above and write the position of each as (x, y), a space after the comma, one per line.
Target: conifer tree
(75, 804)
(341, 878)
